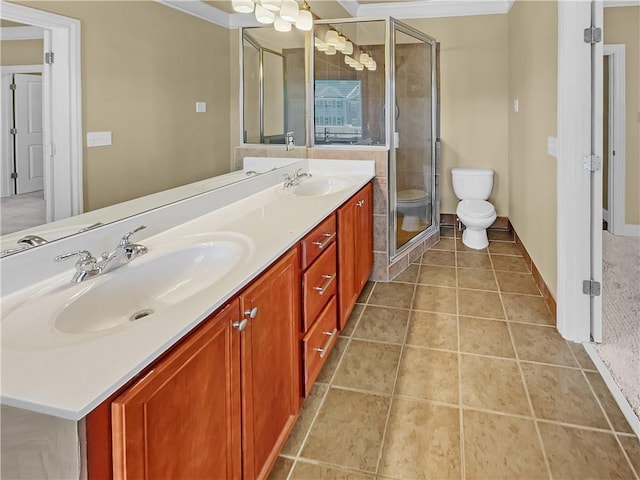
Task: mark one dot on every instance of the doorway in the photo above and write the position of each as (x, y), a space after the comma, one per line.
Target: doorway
(613, 152)
(62, 146)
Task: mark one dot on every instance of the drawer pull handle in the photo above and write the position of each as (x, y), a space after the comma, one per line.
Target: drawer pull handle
(360, 203)
(324, 287)
(240, 325)
(253, 313)
(324, 348)
(328, 237)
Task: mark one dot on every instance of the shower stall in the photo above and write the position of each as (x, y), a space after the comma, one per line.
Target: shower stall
(380, 93)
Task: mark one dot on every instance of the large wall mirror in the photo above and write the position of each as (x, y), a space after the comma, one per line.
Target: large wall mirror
(273, 91)
(144, 69)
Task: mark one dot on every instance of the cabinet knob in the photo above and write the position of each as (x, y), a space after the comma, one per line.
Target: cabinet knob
(360, 203)
(240, 325)
(253, 313)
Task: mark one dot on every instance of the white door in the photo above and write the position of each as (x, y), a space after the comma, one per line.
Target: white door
(28, 124)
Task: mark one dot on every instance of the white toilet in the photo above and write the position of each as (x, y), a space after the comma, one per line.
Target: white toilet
(415, 205)
(473, 187)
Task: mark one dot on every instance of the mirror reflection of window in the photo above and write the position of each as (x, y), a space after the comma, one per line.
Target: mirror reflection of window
(338, 111)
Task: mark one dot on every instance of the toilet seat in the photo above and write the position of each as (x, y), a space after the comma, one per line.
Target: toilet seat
(476, 209)
(412, 195)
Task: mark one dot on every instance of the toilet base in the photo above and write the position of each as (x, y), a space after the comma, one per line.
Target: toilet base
(475, 238)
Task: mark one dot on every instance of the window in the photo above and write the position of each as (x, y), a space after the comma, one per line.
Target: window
(338, 105)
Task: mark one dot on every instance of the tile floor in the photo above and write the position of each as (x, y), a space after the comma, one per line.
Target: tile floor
(454, 370)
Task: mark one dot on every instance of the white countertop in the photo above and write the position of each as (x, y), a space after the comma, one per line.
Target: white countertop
(71, 375)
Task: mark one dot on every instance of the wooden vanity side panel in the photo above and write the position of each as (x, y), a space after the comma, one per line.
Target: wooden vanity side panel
(182, 420)
(270, 358)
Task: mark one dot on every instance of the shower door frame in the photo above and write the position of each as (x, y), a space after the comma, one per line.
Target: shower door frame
(394, 25)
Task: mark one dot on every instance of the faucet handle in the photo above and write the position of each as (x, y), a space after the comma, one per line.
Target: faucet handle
(125, 239)
(85, 257)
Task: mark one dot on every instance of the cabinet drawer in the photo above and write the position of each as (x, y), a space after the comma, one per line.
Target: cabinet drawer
(318, 342)
(318, 240)
(319, 283)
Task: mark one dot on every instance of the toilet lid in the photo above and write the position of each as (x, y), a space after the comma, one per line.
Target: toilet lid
(476, 208)
(411, 195)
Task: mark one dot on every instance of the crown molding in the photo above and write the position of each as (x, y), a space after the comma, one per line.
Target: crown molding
(435, 8)
(21, 33)
(200, 10)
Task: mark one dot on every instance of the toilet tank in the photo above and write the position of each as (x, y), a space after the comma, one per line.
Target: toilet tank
(472, 183)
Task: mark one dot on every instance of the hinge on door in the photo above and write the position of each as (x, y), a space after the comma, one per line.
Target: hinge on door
(13, 131)
(592, 35)
(12, 86)
(48, 58)
(14, 175)
(591, 163)
(591, 288)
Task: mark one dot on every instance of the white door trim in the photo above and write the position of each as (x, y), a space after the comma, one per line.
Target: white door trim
(62, 111)
(616, 135)
(6, 74)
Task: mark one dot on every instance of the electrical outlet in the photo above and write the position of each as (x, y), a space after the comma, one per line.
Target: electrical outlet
(289, 140)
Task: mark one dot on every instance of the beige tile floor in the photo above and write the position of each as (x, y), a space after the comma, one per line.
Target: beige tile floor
(454, 370)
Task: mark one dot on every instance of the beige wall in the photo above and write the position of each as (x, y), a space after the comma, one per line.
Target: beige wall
(144, 66)
(473, 93)
(533, 47)
(622, 26)
(21, 52)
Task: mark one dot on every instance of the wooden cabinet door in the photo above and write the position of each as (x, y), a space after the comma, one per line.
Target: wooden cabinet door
(364, 236)
(270, 359)
(182, 420)
(355, 249)
(347, 294)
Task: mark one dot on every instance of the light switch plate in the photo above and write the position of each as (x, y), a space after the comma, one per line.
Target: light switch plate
(289, 141)
(201, 107)
(98, 139)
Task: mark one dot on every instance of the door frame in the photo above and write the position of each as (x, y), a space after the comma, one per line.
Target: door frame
(62, 122)
(6, 75)
(616, 135)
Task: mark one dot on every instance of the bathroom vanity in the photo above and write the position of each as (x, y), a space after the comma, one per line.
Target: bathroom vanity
(210, 383)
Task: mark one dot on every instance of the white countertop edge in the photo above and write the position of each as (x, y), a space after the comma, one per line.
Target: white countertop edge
(74, 406)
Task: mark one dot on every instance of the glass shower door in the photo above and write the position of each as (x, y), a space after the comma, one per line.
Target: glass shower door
(412, 193)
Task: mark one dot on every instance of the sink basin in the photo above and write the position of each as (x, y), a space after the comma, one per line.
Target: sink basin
(316, 187)
(170, 273)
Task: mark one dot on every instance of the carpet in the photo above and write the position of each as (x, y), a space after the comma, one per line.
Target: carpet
(620, 347)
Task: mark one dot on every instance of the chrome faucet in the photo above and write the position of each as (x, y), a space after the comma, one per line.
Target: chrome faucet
(290, 181)
(87, 266)
(31, 241)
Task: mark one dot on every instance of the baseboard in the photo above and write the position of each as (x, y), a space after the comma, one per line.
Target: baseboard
(452, 219)
(627, 411)
(631, 230)
(537, 277)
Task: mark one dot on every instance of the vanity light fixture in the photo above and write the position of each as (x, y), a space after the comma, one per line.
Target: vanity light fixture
(243, 6)
(264, 16)
(281, 25)
(278, 12)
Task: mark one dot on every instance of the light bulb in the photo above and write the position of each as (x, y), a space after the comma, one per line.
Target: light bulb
(349, 61)
(242, 6)
(321, 46)
(359, 67)
(331, 50)
(342, 43)
(332, 38)
(304, 21)
(348, 49)
(263, 15)
(273, 5)
(372, 66)
(281, 25)
(364, 57)
(289, 10)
